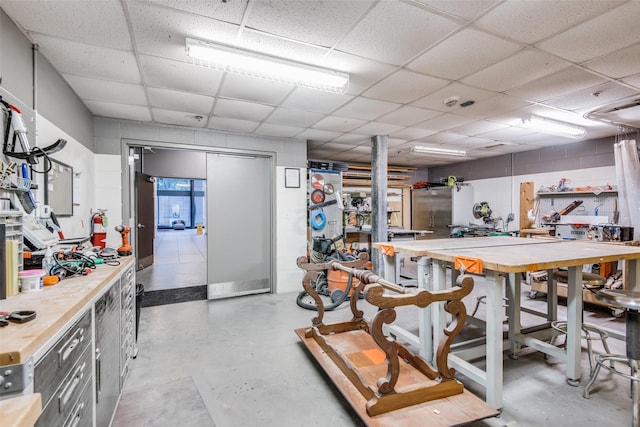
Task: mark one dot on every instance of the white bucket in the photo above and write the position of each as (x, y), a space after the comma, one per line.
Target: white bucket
(31, 280)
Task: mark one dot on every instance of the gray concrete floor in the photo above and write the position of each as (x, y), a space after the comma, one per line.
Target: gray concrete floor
(251, 370)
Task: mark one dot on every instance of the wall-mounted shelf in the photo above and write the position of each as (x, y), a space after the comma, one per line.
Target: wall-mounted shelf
(574, 193)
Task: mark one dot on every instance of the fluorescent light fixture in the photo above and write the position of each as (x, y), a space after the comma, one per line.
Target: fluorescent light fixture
(253, 64)
(545, 125)
(439, 151)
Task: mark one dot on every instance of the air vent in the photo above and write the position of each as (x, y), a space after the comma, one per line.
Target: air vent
(622, 113)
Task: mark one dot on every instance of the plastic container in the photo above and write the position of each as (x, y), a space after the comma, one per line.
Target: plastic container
(337, 279)
(31, 280)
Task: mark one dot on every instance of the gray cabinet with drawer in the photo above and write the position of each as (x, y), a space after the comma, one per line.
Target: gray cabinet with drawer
(63, 373)
(127, 322)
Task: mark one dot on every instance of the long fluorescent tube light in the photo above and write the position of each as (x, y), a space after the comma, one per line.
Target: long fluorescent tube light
(440, 151)
(253, 64)
(545, 125)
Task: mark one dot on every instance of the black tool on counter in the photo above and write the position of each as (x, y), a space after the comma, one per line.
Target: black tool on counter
(22, 316)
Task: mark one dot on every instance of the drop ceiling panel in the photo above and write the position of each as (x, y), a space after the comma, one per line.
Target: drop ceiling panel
(445, 121)
(586, 99)
(253, 89)
(269, 44)
(99, 23)
(408, 115)
(180, 118)
(180, 101)
(170, 74)
(442, 138)
(621, 63)
(404, 86)
(313, 100)
(377, 128)
(610, 31)
(533, 20)
(241, 110)
(297, 118)
(280, 131)
(463, 54)
(104, 90)
(162, 32)
(506, 134)
(119, 111)
(362, 72)
(523, 67)
(412, 133)
(395, 32)
(74, 58)
(232, 125)
(341, 124)
(436, 100)
(366, 109)
(352, 138)
(231, 12)
(565, 81)
(467, 10)
(633, 80)
(477, 127)
(311, 21)
(490, 107)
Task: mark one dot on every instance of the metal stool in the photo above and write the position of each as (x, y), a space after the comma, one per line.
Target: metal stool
(630, 300)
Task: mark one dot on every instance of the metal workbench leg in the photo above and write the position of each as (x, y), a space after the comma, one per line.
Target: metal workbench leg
(574, 325)
(439, 282)
(424, 315)
(513, 312)
(494, 339)
(552, 297)
(390, 272)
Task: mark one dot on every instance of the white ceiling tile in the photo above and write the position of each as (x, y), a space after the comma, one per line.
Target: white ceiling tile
(241, 110)
(377, 128)
(335, 146)
(436, 100)
(442, 137)
(463, 53)
(366, 109)
(607, 32)
(291, 117)
(317, 134)
(352, 138)
(493, 106)
(585, 99)
(342, 124)
(270, 129)
(404, 86)
(444, 122)
(506, 134)
(475, 128)
(621, 63)
(565, 81)
(272, 45)
(312, 21)
(394, 32)
(232, 125)
(412, 133)
(361, 149)
(473, 143)
(104, 90)
(119, 111)
(523, 67)
(223, 11)
(465, 9)
(179, 118)
(180, 101)
(81, 59)
(254, 89)
(362, 72)
(170, 74)
(314, 100)
(162, 32)
(408, 115)
(98, 23)
(633, 80)
(533, 20)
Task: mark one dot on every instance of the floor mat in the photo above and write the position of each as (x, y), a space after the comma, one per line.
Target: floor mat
(173, 296)
(163, 405)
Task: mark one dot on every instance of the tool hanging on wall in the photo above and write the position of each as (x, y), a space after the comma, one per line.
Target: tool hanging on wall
(24, 151)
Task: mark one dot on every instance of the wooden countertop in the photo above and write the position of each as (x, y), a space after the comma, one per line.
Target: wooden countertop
(423, 247)
(21, 411)
(55, 306)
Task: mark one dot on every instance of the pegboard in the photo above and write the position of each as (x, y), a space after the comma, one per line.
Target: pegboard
(602, 204)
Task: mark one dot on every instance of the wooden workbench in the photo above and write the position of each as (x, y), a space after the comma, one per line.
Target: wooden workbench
(55, 307)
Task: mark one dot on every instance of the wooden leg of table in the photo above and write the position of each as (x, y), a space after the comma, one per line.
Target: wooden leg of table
(424, 316)
(574, 325)
(494, 339)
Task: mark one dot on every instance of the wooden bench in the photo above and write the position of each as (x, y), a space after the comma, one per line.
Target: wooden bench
(385, 382)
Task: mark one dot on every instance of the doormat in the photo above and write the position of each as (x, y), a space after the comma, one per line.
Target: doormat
(177, 403)
(172, 296)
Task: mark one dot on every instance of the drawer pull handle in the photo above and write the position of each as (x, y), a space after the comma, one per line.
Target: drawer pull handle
(76, 416)
(98, 374)
(68, 390)
(65, 352)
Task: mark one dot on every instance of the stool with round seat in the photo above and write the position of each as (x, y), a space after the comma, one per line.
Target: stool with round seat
(630, 300)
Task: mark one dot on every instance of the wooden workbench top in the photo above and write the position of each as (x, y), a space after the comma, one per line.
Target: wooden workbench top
(21, 411)
(422, 247)
(55, 306)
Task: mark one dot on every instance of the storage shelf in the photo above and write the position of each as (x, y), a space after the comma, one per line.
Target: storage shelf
(574, 193)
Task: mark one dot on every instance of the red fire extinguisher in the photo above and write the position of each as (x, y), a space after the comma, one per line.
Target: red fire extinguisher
(98, 228)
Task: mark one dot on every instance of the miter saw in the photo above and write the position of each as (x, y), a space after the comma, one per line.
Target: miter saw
(483, 211)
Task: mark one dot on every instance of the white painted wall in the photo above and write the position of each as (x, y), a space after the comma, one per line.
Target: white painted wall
(503, 194)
